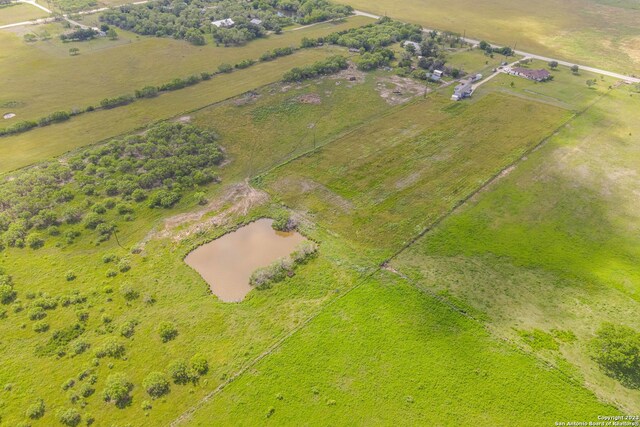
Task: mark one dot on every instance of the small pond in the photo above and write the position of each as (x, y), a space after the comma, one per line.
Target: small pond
(227, 263)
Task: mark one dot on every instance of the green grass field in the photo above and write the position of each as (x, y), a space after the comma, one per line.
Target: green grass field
(387, 345)
(388, 180)
(41, 77)
(553, 245)
(19, 13)
(597, 34)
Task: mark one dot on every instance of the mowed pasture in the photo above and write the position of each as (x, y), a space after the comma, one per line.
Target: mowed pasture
(19, 13)
(388, 180)
(42, 77)
(602, 34)
(554, 245)
(388, 354)
(90, 128)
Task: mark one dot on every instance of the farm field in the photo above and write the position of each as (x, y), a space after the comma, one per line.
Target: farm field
(387, 345)
(387, 181)
(600, 34)
(462, 263)
(36, 75)
(554, 244)
(19, 13)
(44, 143)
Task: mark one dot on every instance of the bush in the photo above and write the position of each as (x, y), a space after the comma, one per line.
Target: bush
(82, 315)
(225, 68)
(36, 410)
(124, 266)
(69, 417)
(68, 384)
(179, 372)
(80, 347)
(128, 328)
(616, 349)
(107, 258)
(128, 292)
(86, 390)
(7, 294)
(199, 364)
(41, 327)
(164, 199)
(37, 313)
(147, 92)
(117, 389)
(282, 221)
(111, 348)
(168, 331)
(109, 103)
(330, 65)
(70, 276)
(156, 384)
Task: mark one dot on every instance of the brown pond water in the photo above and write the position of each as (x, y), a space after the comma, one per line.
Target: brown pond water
(226, 264)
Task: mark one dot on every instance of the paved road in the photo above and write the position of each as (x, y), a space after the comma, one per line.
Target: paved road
(626, 78)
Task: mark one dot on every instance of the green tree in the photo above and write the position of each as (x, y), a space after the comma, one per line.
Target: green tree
(616, 349)
(112, 34)
(156, 384)
(117, 390)
(74, 51)
(553, 64)
(575, 69)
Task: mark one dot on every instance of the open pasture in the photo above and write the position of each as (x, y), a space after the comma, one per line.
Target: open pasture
(387, 345)
(553, 245)
(51, 141)
(19, 13)
(42, 77)
(388, 180)
(600, 34)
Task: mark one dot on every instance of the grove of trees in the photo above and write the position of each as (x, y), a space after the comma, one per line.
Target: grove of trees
(191, 20)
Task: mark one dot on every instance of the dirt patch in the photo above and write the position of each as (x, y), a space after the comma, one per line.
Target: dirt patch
(351, 74)
(310, 98)
(398, 90)
(236, 201)
(184, 119)
(9, 116)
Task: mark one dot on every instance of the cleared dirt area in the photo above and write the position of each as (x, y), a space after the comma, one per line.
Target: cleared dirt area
(398, 90)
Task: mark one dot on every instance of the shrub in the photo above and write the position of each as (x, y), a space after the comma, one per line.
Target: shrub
(199, 364)
(7, 294)
(156, 384)
(108, 103)
(117, 389)
(111, 348)
(68, 384)
(69, 417)
(80, 347)
(82, 315)
(304, 251)
(168, 331)
(41, 327)
(86, 390)
(128, 292)
(34, 241)
(124, 266)
(36, 410)
(70, 276)
(37, 313)
(616, 349)
(146, 405)
(179, 372)
(128, 328)
(107, 258)
(282, 221)
(225, 68)
(112, 273)
(147, 92)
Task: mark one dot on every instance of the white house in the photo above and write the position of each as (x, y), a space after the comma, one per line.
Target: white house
(256, 21)
(224, 23)
(415, 45)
